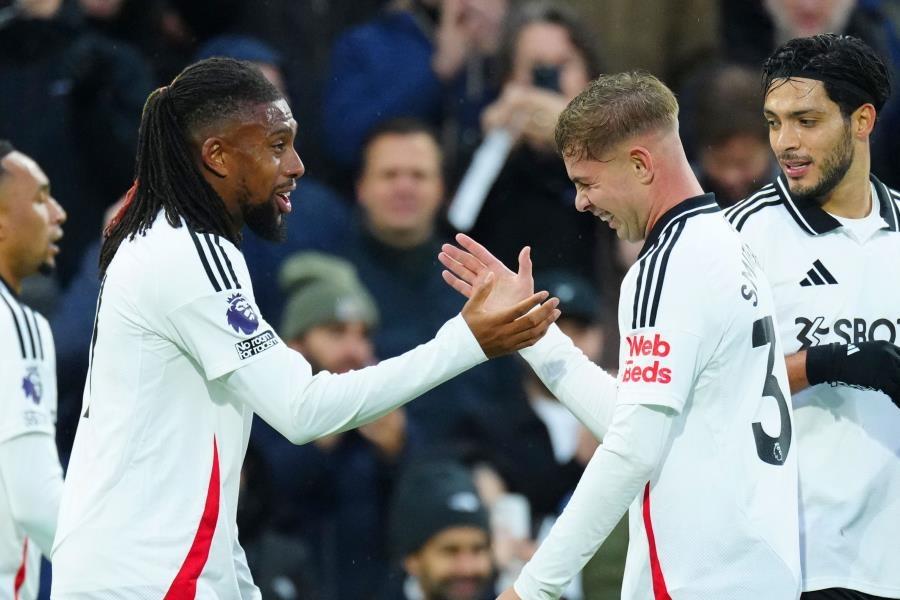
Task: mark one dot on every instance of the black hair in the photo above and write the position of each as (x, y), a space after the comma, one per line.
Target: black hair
(6, 148)
(546, 12)
(852, 73)
(166, 176)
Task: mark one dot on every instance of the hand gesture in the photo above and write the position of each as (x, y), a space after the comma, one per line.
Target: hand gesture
(388, 433)
(504, 328)
(472, 260)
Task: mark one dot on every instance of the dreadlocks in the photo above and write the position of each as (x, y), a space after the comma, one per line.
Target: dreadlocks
(166, 176)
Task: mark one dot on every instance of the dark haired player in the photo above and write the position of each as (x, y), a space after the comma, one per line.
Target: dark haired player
(181, 358)
(30, 476)
(827, 233)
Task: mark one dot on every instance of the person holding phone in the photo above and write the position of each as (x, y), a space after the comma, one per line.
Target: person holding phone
(546, 58)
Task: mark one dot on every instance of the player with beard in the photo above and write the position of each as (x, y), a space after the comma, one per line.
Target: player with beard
(180, 358)
(827, 233)
(30, 476)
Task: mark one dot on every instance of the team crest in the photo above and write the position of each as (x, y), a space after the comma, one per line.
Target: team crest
(240, 314)
(31, 385)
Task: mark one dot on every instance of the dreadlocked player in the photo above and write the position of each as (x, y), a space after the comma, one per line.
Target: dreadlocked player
(181, 358)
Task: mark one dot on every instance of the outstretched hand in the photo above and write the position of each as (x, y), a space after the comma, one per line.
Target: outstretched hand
(509, 327)
(465, 264)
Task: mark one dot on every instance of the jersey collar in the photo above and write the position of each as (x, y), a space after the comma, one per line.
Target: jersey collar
(8, 287)
(810, 217)
(686, 209)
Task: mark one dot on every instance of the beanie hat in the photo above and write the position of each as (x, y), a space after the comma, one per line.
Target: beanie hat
(322, 289)
(430, 497)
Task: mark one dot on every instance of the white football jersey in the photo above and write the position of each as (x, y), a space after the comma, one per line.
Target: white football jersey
(832, 283)
(27, 405)
(718, 519)
(179, 361)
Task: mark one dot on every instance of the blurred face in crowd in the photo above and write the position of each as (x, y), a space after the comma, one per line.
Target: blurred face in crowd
(101, 9)
(804, 18)
(454, 564)
(736, 166)
(587, 336)
(40, 9)
(401, 187)
(811, 139)
(30, 218)
(549, 44)
(608, 189)
(336, 347)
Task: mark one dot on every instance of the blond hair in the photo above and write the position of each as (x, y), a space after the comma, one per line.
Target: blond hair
(612, 109)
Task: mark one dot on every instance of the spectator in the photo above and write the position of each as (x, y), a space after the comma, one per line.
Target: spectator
(667, 39)
(65, 92)
(440, 534)
(334, 492)
(423, 58)
(394, 245)
(546, 59)
(732, 156)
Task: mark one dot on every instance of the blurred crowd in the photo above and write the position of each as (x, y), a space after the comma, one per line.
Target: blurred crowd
(397, 102)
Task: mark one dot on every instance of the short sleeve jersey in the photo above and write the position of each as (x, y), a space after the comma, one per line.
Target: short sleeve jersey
(718, 519)
(27, 405)
(150, 499)
(834, 284)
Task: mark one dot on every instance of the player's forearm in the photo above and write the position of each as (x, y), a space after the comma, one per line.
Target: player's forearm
(583, 387)
(328, 403)
(620, 468)
(29, 465)
(796, 369)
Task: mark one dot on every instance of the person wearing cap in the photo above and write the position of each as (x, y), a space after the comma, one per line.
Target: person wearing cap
(440, 533)
(333, 490)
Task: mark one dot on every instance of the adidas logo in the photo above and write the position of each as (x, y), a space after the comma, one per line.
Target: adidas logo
(818, 275)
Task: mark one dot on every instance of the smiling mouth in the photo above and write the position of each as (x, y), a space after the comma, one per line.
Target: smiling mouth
(283, 201)
(796, 168)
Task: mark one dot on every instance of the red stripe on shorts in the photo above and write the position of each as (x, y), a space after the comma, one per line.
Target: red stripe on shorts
(659, 582)
(184, 586)
(19, 581)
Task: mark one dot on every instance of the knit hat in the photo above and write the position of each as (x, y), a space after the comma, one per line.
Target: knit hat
(322, 289)
(430, 497)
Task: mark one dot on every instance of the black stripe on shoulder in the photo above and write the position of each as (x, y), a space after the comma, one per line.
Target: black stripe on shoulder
(39, 351)
(646, 278)
(15, 319)
(237, 284)
(30, 332)
(766, 190)
(740, 222)
(662, 271)
(637, 290)
(213, 251)
(751, 206)
(204, 260)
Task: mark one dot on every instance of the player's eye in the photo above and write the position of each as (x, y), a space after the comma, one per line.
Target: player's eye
(771, 124)
(807, 122)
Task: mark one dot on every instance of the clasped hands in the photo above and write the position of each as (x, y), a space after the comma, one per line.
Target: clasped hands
(503, 311)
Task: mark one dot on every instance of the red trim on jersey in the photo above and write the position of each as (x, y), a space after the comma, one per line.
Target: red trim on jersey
(660, 592)
(184, 586)
(19, 581)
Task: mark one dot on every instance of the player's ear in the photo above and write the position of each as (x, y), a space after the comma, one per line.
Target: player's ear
(411, 565)
(640, 163)
(214, 156)
(863, 121)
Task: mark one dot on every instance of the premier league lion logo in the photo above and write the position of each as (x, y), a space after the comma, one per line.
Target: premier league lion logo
(240, 314)
(31, 385)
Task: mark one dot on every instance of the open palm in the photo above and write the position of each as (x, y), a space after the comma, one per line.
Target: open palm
(470, 261)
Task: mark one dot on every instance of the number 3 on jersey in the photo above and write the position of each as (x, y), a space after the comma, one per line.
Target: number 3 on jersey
(772, 450)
